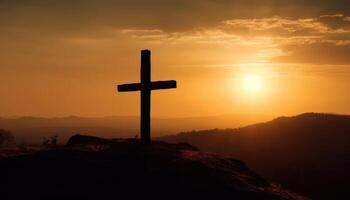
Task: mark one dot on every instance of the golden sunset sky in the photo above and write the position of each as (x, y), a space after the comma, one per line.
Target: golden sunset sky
(65, 57)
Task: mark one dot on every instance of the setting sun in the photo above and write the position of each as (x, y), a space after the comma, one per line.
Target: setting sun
(252, 83)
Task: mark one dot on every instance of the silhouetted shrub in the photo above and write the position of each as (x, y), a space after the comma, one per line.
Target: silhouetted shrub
(6, 138)
(50, 142)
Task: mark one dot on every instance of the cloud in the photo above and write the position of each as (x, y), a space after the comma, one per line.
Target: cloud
(284, 39)
(316, 53)
(170, 15)
(290, 30)
(278, 29)
(204, 36)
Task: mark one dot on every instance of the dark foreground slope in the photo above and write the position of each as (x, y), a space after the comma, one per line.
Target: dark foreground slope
(309, 153)
(125, 169)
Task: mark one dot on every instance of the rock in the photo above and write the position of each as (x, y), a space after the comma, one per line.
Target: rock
(81, 140)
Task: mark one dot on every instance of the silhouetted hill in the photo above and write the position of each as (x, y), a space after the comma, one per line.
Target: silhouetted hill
(33, 129)
(126, 169)
(309, 153)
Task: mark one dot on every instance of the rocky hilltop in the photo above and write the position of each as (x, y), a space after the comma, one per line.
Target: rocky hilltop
(95, 168)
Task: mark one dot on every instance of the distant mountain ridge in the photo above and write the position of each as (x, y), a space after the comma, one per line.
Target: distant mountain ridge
(309, 153)
(35, 128)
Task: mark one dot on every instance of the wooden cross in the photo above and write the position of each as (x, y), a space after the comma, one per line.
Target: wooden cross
(145, 86)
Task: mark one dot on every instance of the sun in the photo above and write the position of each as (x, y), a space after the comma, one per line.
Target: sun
(252, 84)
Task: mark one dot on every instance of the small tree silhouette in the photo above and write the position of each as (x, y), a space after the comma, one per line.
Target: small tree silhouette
(6, 138)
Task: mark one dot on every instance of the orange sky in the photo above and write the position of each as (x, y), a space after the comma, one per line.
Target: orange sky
(65, 58)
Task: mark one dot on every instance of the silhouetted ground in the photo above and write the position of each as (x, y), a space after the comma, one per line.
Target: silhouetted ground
(126, 169)
(308, 153)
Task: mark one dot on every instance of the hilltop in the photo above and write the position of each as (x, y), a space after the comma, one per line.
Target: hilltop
(308, 153)
(95, 168)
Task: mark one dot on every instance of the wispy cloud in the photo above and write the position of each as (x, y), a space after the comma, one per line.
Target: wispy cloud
(281, 38)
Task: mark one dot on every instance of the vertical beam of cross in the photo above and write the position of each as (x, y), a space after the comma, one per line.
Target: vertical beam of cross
(145, 86)
(145, 96)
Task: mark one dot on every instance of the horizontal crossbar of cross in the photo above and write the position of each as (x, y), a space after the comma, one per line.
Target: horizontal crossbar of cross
(155, 85)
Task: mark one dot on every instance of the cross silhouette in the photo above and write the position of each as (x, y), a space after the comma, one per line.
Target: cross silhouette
(146, 86)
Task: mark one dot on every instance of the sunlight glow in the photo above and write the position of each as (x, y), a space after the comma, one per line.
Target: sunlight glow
(252, 83)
